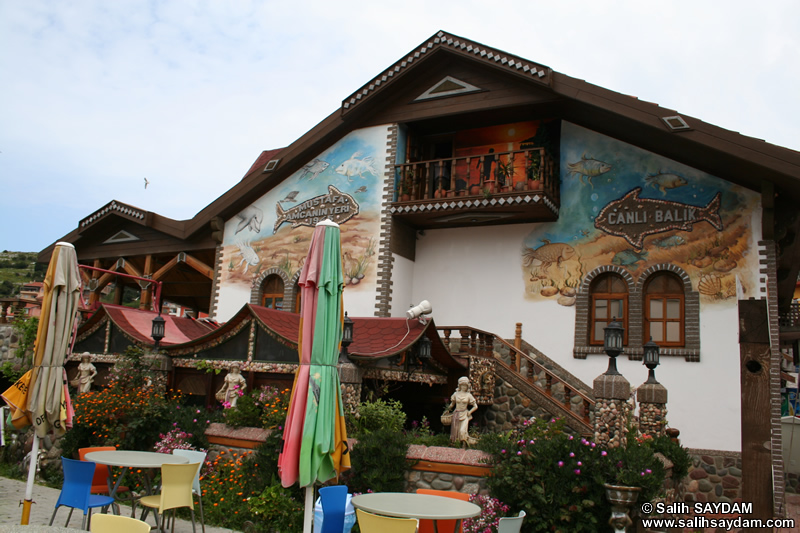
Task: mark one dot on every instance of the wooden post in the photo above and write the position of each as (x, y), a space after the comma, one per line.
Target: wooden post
(754, 356)
(147, 293)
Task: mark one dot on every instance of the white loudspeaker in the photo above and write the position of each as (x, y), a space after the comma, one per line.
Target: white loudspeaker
(424, 308)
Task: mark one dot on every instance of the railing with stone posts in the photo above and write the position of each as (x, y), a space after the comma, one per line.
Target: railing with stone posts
(541, 379)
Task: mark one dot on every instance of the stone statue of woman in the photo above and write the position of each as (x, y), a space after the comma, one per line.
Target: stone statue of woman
(465, 404)
(233, 387)
(86, 373)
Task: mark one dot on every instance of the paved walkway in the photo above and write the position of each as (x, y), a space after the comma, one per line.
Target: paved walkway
(12, 492)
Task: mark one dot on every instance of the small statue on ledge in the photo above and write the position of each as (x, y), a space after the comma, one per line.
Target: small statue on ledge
(233, 387)
(86, 373)
(462, 399)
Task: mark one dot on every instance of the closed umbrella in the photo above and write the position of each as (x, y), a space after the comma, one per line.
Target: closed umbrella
(315, 438)
(43, 400)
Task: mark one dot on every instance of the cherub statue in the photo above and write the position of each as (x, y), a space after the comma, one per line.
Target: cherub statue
(462, 399)
(233, 386)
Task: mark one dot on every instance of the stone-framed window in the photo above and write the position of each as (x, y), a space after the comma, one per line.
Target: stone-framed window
(666, 282)
(608, 300)
(600, 282)
(273, 289)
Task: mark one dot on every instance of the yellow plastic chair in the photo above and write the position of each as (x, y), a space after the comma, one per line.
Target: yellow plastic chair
(176, 491)
(193, 455)
(373, 523)
(109, 523)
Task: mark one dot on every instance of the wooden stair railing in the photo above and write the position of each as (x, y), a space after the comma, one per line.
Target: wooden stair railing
(540, 379)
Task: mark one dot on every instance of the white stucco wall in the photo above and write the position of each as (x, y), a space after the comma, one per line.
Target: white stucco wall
(473, 277)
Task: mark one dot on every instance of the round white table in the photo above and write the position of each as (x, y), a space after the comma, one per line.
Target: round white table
(126, 459)
(413, 505)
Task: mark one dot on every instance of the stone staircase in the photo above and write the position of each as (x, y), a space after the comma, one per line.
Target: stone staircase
(527, 382)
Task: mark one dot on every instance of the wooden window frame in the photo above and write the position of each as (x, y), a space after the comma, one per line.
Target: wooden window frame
(681, 320)
(595, 295)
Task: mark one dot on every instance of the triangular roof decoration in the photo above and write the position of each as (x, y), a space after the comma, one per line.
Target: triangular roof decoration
(447, 86)
(121, 236)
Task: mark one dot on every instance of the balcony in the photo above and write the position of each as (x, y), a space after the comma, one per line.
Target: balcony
(790, 324)
(485, 189)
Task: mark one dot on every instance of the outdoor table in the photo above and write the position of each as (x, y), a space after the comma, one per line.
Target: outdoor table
(39, 529)
(413, 505)
(127, 459)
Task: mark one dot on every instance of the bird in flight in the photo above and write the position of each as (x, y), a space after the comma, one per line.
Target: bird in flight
(146, 183)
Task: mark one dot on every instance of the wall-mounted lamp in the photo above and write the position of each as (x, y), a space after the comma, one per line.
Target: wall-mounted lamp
(347, 335)
(423, 308)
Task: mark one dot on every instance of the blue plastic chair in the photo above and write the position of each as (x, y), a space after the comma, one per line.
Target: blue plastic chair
(76, 491)
(334, 501)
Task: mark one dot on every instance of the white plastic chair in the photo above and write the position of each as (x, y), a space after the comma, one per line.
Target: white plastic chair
(195, 457)
(510, 524)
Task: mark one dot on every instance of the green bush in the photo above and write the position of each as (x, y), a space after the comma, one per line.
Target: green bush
(378, 415)
(264, 407)
(276, 510)
(378, 462)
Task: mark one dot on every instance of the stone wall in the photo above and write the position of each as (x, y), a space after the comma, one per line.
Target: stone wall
(714, 476)
(8, 342)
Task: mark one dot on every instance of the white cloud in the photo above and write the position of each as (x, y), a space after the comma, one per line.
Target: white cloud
(98, 95)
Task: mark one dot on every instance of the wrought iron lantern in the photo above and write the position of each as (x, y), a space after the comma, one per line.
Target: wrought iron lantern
(157, 332)
(424, 348)
(613, 334)
(347, 334)
(651, 360)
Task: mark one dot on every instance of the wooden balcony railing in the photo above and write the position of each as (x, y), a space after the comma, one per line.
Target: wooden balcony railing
(476, 342)
(478, 175)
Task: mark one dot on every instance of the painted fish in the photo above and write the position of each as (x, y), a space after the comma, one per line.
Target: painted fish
(315, 168)
(664, 180)
(363, 188)
(357, 167)
(336, 205)
(589, 168)
(547, 254)
(251, 218)
(669, 242)
(634, 218)
(290, 197)
(249, 256)
(628, 257)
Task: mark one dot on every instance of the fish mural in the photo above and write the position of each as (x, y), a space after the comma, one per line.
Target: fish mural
(363, 188)
(251, 218)
(634, 218)
(249, 256)
(664, 180)
(670, 242)
(547, 254)
(291, 197)
(357, 167)
(315, 167)
(588, 168)
(628, 257)
(336, 205)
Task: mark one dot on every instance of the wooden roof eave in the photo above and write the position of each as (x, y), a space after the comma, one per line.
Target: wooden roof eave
(736, 157)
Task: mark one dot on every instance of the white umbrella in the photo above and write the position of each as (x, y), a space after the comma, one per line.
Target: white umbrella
(45, 402)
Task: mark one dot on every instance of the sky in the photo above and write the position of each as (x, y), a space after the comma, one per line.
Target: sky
(96, 96)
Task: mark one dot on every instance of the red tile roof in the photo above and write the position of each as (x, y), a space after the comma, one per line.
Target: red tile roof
(138, 324)
(265, 157)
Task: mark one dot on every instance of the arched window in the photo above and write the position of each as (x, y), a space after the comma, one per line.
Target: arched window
(272, 292)
(664, 309)
(609, 300)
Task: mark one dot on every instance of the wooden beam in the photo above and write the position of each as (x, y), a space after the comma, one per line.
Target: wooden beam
(198, 265)
(147, 293)
(754, 353)
(161, 272)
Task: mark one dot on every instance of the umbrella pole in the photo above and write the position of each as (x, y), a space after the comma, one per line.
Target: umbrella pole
(26, 505)
(309, 509)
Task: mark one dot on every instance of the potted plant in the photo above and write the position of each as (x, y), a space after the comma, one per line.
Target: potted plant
(404, 186)
(505, 174)
(532, 170)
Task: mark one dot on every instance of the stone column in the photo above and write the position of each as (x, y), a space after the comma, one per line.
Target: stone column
(652, 399)
(611, 393)
(350, 379)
